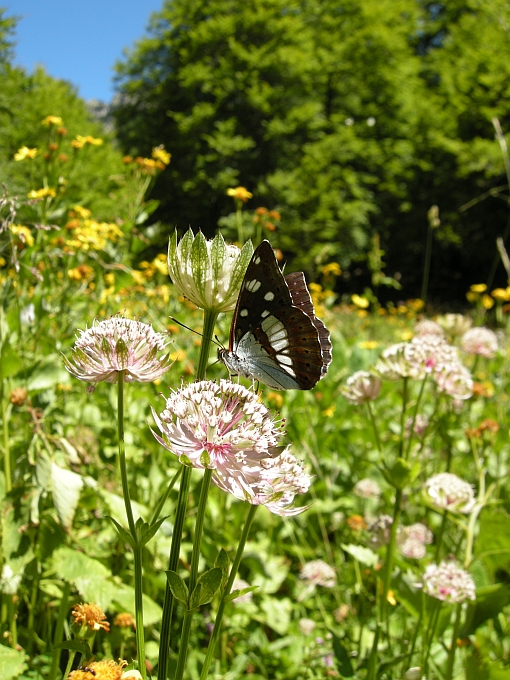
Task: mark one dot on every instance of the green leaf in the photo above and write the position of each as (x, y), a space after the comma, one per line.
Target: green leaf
(177, 586)
(10, 360)
(207, 586)
(240, 591)
(148, 531)
(402, 473)
(490, 601)
(66, 489)
(343, 659)
(277, 613)
(76, 646)
(493, 542)
(223, 563)
(362, 554)
(123, 533)
(49, 372)
(12, 663)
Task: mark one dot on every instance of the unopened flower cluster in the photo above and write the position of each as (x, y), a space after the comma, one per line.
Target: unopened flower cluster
(446, 491)
(118, 344)
(448, 582)
(224, 427)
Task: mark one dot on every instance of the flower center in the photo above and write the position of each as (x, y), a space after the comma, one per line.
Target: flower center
(219, 452)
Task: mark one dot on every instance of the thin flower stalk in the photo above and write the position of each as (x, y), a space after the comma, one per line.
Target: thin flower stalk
(415, 414)
(228, 587)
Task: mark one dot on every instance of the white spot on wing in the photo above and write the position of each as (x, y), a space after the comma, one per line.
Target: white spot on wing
(257, 260)
(265, 313)
(269, 296)
(252, 286)
(279, 344)
(284, 359)
(243, 312)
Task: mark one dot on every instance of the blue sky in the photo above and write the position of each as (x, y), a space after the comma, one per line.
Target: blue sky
(78, 40)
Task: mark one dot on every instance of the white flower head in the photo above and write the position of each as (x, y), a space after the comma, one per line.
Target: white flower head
(448, 582)
(306, 626)
(224, 427)
(208, 273)
(428, 327)
(429, 353)
(118, 344)
(454, 324)
(455, 380)
(481, 341)
(361, 387)
(318, 573)
(394, 364)
(411, 540)
(446, 491)
(367, 488)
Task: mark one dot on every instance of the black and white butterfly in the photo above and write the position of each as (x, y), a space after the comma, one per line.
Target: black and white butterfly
(275, 336)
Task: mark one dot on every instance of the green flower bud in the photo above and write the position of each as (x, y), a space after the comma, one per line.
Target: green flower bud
(208, 273)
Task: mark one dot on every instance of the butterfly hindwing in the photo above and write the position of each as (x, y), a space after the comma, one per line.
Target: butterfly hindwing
(275, 336)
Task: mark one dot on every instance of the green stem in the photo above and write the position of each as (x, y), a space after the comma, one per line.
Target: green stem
(59, 631)
(415, 414)
(239, 221)
(72, 654)
(403, 417)
(5, 420)
(195, 556)
(221, 609)
(429, 636)
(426, 266)
(453, 646)
(137, 549)
(166, 619)
(374, 426)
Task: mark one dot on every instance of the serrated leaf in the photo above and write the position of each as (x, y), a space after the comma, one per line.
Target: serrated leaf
(12, 663)
(177, 586)
(207, 586)
(66, 488)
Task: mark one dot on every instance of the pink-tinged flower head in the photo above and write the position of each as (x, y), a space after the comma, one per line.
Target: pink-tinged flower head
(362, 386)
(429, 353)
(412, 540)
(118, 344)
(318, 573)
(428, 327)
(367, 488)
(446, 491)
(421, 423)
(480, 341)
(455, 380)
(393, 363)
(224, 427)
(448, 582)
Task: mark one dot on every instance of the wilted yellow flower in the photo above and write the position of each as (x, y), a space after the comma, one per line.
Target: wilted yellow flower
(160, 154)
(81, 273)
(52, 120)
(360, 301)
(106, 669)
(25, 152)
(240, 193)
(124, 620)
(332, 268)
(42, 193)
(478, 288)
(487, 301)
(91, 616)
(23, 233)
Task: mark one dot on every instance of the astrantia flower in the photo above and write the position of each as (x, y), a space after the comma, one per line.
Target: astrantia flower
(421, 423)
(367, 488)
(448, 582)
(318, 573)
(428, 327)
(393, 364)
(446, 491)
(412, 540)
(412, 548)
(306, 626)
(209, 273)
(480, 341)
(361, 387)
(454, 324)
(118, 344)
(455, 380)
(429, 353)
(224, 427)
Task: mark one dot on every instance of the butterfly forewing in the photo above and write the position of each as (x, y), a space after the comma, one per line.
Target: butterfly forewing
(275, 336)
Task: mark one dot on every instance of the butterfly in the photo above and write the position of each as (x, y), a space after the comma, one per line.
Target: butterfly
(275, 337)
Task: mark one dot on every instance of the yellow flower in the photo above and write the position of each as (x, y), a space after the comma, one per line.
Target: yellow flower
(82, 212)
(24, 234)
(406, 335)
(25, 152)
(161, 264)
(240, 193)
(94, 141)
(416, 304)
(471, 297)
(478, 288)
(42, 193)
(332, 268)
(501, 294)
(80, 273)
(359, 301)
(106, 669)
(52, 120)
(487, 301)
(94, 235)
(179, 355)
(391, 597)
(91, 616)
(368, 344)
(362, 313)
(160, 154)
(3, 261)
(138, 277)
(276, 398)
(329, 412)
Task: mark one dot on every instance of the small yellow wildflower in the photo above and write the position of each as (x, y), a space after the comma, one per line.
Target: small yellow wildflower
(478, 288)
(25, 152)
(368, 344)
(106, 295)
(391, 597)
(362, 313)
(416, 304)
(276, 398)
(487, 301)
(93, 235)
(42, 193)
(360, 301)
(138, 277)
(109, 278)
(93, 141)
(23, 233)
(160, 154)
(240, 194)
(178, 355)
(501, 294)
(160, 263)
(52, 120)
(471, 297)
(80, 211)
(331, 269)
(81, 273)
(329, 412)
(124, 620)
(3, 261)
(406, 336)
(149, 165)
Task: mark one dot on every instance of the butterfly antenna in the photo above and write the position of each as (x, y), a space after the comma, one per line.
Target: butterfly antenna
(216, 341)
